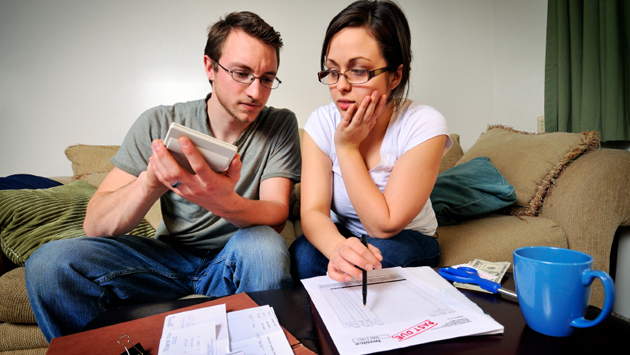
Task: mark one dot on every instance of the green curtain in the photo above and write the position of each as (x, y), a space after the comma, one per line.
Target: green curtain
(587, 67)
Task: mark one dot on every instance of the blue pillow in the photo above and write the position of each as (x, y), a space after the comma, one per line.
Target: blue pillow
(26, 181)
(470, 190)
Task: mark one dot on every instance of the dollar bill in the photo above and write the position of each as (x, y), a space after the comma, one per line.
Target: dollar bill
(492, 271)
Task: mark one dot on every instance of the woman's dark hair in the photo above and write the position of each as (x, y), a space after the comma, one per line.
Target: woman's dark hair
(388, 24)
(247, 21)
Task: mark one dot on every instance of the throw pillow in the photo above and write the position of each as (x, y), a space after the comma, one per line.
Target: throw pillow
(530, 162)
(91, 158)
(26, 181)
(470, 190)
(30, 218)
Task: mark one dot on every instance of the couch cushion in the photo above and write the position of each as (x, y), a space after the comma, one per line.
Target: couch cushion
(297, 227)
(453, 155)
(288, 233)
(30, 218)
(530, 162)
(14, 304)
(91, 158)
(294, 202)
(22, 339)
(470, 190)
(495, 237)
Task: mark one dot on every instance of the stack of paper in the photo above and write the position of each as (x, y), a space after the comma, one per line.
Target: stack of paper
(404, 307)
(210, 331)
(257, 331)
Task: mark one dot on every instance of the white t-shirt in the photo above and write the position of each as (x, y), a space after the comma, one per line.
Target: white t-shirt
(408, 127)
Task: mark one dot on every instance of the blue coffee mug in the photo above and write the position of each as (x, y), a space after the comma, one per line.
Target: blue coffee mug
(554, 286)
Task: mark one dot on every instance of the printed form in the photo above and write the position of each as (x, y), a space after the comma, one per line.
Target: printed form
(212, 331)
(201, 331)
(256, 331)
(405, 307)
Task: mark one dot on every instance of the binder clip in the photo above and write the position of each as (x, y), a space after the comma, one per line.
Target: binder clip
(132, 349)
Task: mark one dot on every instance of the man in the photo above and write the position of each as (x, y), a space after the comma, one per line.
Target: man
(217, 236)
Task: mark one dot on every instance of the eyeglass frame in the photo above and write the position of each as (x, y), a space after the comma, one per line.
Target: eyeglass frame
(252, 77)
(371, 74)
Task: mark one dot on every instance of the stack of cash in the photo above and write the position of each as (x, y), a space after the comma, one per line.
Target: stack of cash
(488, 270)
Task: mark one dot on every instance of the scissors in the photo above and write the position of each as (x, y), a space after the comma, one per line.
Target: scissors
(470, 275)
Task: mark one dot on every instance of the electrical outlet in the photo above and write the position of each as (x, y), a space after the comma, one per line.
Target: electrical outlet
(541, 124)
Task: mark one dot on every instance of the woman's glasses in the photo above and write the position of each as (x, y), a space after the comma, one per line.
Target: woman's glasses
(353, 76)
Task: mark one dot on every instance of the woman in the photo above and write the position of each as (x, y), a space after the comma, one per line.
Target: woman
(370, 158)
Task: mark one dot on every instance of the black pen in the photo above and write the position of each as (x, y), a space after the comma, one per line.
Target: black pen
(364, 241)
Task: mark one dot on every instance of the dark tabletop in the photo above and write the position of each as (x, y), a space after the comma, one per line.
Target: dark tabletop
(296, 313)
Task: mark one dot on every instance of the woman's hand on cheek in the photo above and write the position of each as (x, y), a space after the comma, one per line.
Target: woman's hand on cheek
(357, 122)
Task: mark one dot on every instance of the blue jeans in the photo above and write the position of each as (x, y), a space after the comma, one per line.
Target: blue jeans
(407, 249)
(72, 281)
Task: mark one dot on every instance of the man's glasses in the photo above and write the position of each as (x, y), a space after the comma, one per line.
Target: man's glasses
(353, 76)
(244, 77)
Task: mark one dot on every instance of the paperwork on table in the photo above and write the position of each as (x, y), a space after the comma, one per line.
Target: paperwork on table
(257, 331)
(210, 331)
(405, 307)
(200, 331)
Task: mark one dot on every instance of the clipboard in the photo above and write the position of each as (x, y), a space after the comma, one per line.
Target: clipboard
(147, 331)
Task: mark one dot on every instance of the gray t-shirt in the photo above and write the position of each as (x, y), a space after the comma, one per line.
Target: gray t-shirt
(269, 147)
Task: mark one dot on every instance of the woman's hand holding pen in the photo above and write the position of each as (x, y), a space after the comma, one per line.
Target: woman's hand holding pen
(357, 122)
(351, 252)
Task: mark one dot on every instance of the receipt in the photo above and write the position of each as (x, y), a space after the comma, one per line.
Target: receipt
(198, 340)
(256, 331)
(200, 331)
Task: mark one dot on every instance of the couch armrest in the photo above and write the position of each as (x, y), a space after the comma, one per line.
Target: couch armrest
(589, 201)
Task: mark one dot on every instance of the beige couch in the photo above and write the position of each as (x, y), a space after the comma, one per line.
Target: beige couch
(571, 194)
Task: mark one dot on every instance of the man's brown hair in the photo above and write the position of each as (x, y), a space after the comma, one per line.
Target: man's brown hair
(246, 21)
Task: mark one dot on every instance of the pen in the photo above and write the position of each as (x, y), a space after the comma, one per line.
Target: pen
(364, 241)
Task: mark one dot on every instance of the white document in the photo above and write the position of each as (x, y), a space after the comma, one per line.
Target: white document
(434, 279)
(404, 307)
(202, 331)
(196, 340)
(256, 331)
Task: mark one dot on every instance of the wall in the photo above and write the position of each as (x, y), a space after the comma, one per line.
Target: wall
(75, 71)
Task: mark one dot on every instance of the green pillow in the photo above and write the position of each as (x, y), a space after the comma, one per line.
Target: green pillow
(30, 218)
(470, 190)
